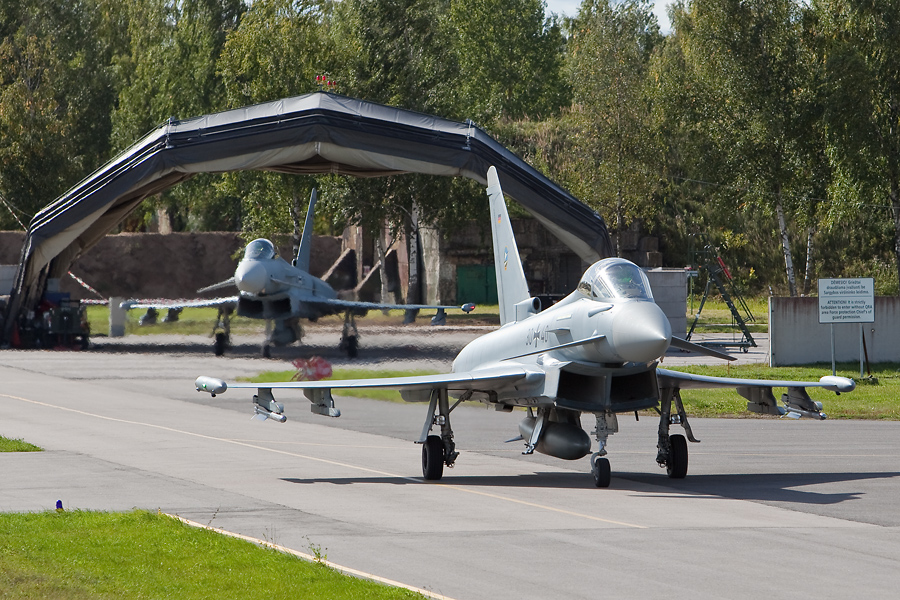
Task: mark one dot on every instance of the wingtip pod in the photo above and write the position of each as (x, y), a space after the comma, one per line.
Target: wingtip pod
(837, 384)
(210, 384)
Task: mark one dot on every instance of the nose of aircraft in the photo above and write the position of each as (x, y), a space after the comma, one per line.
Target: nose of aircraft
(641, 332)
(251, 277)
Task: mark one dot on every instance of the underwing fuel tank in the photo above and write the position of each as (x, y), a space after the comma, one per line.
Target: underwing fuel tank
(562, 440)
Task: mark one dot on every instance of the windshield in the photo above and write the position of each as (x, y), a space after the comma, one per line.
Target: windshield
(613, 278)
(259, 250)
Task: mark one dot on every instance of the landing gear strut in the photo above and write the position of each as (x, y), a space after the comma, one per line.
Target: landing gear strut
(672, 449)
(607, 424)
(438, 451)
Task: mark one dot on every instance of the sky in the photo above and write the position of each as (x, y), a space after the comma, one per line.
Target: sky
(570, 9)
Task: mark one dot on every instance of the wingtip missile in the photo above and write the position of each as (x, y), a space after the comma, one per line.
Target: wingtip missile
(210, 384)
(837, 384)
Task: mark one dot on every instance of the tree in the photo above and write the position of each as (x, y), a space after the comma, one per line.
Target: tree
(169, 71)
(749, 53)
(55, 98)
(863, 111)
(510, 59)
(609, 55)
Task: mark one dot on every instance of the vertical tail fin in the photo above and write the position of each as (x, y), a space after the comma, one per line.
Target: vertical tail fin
(511, 285)
(304, 252)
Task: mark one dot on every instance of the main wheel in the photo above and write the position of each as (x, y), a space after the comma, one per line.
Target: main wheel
(219, 344)
(601, 472)
(352, 346)
(433, 458)
(677, 464)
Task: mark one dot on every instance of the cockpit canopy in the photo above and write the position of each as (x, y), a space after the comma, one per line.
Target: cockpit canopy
(259, 249)
(615, 278)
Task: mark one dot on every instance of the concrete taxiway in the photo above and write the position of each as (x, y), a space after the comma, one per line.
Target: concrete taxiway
(770, 508)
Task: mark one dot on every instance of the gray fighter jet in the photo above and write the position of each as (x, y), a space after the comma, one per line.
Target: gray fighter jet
(282, 294)
(594, 353)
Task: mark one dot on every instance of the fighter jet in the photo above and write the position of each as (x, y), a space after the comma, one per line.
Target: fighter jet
(282, 294)
(594, 353)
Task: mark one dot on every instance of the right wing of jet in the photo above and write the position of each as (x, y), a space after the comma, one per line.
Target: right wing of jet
(417, 388)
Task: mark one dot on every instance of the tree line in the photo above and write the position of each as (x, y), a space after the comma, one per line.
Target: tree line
(768, 129)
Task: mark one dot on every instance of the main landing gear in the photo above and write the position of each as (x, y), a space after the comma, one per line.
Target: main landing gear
(222, 331)
(672, 449)
(438, 450)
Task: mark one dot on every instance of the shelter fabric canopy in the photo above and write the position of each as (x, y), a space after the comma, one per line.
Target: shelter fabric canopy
(315, 133)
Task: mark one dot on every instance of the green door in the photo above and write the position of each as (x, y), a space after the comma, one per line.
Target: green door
(476, 284)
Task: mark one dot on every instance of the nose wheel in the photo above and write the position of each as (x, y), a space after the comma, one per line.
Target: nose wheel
(601, 471)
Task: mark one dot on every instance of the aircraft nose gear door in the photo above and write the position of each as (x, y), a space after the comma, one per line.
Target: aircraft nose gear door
(438, 451)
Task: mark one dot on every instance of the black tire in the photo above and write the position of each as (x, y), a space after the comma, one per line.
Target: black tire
(352, 346)
(266, 351)
(677, 466)
(433, 458)
(219, 344)
(602, 473)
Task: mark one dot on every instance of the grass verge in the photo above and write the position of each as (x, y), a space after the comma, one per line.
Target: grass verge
(78, 554)
(18, 445)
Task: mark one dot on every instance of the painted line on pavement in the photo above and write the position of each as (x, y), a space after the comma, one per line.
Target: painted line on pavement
(329, 462)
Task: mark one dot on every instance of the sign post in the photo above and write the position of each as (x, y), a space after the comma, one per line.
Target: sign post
(847, 301)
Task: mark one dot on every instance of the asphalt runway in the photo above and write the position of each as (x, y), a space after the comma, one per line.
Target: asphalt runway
(770, 507)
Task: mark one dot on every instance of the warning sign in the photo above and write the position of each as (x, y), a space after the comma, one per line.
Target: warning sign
(847, 300)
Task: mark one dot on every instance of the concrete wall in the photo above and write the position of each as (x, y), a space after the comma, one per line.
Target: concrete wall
(797, 338)
(670, 293)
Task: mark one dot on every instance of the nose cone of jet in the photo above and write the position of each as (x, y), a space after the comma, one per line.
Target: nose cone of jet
(251, 277)
(641, 332)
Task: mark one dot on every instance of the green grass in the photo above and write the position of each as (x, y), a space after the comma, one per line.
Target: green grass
(878, 398)
(374, 393)
(18, 445)
(75, 555)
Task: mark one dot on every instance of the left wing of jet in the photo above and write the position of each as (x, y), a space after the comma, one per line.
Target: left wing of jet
(350, 304)
(758, 392)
